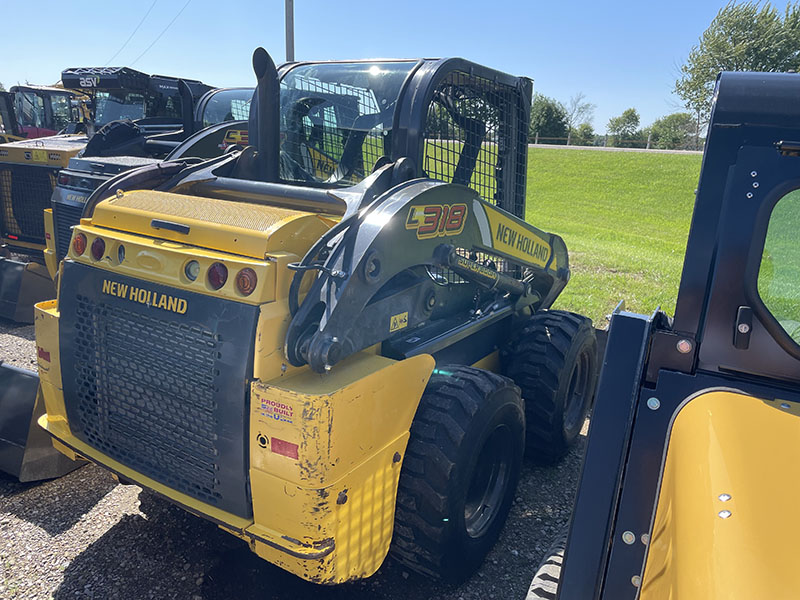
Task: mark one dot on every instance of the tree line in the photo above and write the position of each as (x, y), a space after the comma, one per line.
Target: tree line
(744, 36)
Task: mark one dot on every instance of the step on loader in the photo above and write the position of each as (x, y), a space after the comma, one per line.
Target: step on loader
(335, 343)
(689, 481)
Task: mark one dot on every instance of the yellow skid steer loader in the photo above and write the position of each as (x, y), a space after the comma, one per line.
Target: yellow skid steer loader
(334, 343)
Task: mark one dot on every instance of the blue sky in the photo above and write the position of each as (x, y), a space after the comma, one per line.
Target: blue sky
(618, 53)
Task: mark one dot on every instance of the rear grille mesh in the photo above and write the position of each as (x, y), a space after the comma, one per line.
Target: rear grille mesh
(64, 217)
(25, 191)
(146, 395)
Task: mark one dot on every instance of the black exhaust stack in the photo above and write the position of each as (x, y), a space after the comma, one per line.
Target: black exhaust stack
(187, 106)
(268, 121)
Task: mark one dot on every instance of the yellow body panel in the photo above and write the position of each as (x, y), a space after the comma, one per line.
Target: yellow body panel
(348, 430)
(50, 258)
(53, 151)
(735, 453)
(239, 228)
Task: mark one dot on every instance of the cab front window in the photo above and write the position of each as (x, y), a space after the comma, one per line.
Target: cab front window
(779, 273)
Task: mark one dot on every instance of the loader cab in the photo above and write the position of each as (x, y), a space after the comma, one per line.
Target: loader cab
(454, 120)
(154, 102)
(9, 129)
(42, 111)
(692, 460)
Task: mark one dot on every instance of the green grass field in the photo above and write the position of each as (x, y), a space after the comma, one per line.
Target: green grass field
(624, 217)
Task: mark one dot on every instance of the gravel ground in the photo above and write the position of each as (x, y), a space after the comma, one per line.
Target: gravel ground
(86, 536)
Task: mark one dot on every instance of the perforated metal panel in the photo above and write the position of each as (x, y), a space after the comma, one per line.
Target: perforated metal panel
(25, 192)
(162, 393)
(209, 210)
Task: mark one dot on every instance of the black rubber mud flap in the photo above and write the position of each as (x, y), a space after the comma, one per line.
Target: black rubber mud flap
(26, 450)
(21, 286)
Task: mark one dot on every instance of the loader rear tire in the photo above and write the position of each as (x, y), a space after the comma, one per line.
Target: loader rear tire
(460, 472)
(553, 359)
(544, 585)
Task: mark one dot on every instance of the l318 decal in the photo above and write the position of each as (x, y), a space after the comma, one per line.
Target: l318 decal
(436, 220)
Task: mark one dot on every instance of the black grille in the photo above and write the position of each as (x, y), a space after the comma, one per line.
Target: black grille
(25, 192)
(133, 404)
(473, 137)
(64, 217)
(162, 393)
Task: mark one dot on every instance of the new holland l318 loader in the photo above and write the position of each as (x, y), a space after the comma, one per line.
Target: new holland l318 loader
(333, 342)
(690, 481)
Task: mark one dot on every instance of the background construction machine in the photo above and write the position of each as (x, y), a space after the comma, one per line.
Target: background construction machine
(29, 168)
(33, 111)
(690, 478)
(304, 340)
(45, 110)
(219, 120)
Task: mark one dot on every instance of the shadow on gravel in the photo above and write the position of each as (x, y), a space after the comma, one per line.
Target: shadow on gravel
(57, 504)
(17, 329)
(167, 553)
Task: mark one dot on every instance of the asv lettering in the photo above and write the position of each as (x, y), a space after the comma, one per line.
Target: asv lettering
(88, 82)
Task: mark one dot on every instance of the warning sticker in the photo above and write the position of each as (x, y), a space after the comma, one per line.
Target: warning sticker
(398, 322)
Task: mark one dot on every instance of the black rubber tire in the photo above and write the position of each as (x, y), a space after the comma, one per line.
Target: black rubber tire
(544, 585)
(553, 359)
(460, 472)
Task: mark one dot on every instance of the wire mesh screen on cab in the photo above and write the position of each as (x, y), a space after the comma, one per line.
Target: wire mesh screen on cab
(471, 139)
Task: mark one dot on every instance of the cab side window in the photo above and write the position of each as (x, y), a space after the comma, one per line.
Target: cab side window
(779, 273)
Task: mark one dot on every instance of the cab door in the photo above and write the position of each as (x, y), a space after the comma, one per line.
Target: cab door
(752, 325)
(9, 130)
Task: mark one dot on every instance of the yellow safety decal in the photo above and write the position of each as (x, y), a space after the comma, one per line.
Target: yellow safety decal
(508, 237)
(143, 296)
(398, 322)
(436, 220)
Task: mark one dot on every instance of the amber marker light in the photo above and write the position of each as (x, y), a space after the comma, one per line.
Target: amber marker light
(246, 281)
(79, 244)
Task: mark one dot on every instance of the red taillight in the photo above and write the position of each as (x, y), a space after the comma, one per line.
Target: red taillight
(246, 281)
(98, 248)
(217, 275)
(79, 244)
(63, 179)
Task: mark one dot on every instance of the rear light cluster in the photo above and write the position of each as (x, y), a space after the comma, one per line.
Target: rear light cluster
(217, 276)
(246, 279)
(83, 183)
(97, 249)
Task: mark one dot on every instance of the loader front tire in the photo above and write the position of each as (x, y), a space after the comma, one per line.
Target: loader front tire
(553, 359)
(460, 472)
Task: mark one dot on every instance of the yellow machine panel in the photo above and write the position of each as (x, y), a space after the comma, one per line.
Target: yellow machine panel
(235, 227)
(726, 525)
(52, 151)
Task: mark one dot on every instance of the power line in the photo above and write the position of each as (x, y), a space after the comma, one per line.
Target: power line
(132, 34)
(163, 31)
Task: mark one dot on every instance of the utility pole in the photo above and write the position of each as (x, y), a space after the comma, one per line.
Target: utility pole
(289, 30)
